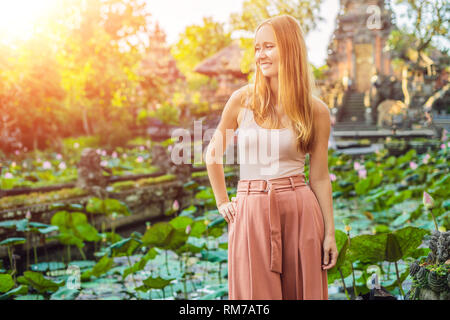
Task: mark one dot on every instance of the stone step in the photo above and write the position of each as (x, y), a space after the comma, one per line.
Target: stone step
(355, 126)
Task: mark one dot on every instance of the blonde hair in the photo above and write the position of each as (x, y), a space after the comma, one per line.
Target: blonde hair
(295, 83)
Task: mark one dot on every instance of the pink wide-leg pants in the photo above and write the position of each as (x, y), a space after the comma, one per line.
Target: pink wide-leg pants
(275, 244)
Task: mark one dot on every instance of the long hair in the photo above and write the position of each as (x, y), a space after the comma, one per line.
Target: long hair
(295, 83)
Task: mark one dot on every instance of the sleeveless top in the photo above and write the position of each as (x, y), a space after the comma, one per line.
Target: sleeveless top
(266, 153)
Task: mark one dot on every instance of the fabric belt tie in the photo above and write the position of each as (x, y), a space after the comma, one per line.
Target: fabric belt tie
(270, 185)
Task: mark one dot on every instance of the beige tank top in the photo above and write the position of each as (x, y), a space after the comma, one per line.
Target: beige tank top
(266, 153)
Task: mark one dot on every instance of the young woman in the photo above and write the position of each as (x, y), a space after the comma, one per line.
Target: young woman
(280, 228)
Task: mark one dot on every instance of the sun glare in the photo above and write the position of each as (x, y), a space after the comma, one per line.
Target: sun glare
(20, 18)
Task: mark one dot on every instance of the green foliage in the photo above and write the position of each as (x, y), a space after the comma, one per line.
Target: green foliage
(342, 265)
(167, 113)
(197, 43)
(74, 228)
(391, 246)
(154, 283)
(6, 282)
(107, 206)
(39, 282)
(100, 268)
(12, 241)
(426, 24)
(124, 247)
(140, 265)
(64, 293)
(40, 197)
(20, 290)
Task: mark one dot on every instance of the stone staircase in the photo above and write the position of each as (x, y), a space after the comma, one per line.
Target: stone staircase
(352, 114)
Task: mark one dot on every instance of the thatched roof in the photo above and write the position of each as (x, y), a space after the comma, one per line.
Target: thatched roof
(226, 61)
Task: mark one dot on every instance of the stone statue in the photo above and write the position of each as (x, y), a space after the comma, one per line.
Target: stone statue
(90, 173)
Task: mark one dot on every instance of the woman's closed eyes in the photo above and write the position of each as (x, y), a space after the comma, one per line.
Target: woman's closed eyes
(256, 49)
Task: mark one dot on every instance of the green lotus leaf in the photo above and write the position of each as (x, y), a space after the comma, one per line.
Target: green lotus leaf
(124, 247)
(95, 205)
(157, 283)
(177, 238)
(65, 294)
(22, 289)
(30, 297)
(181, 222)
(12, 241)
(101, 267)
(6, 282)
(39, 282)
(198, 228)
(48, 230)
(218, 222)
(215, 255)
(9, 224)
(44, 266)
(158, 234)
(140, 265)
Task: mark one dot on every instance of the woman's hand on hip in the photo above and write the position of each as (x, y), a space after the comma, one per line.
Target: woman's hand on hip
(228, 210)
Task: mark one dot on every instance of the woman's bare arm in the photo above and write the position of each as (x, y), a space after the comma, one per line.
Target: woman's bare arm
(219, 143)
(319, 176)
(320, 183)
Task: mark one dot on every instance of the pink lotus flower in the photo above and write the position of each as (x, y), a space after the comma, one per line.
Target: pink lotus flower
(124, 155)
(176, 205)
(104, 163)
(8, 175)
(47, 165)
(443, 146)
(62, 166)
(332, 177)
(444, 135)
(17, 152)
(356, 165)
(188, 229)
(104, 153)
(362, 173)
(28, 215)
(98, 151)
(114, 155)
(139, 159)
(13, 164)
(58, 156)
(170, 148)
(428, 201)
(76, 145)
(141, 148)
(413, 165)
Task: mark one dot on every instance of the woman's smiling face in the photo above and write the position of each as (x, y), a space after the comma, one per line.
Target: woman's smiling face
(266, 51)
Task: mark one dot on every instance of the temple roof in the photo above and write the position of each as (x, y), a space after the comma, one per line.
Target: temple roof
(226, 61)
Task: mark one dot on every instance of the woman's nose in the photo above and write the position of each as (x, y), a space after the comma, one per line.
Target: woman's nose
(262, 55)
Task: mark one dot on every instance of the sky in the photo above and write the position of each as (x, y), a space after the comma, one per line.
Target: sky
(174, 15)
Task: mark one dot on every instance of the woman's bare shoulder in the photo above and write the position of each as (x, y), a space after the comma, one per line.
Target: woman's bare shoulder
(322, 116)
(244, 94)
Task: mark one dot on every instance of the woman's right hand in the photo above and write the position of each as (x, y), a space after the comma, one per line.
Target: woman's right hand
(228, 210)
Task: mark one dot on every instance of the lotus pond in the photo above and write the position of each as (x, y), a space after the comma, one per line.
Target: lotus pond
(381, 222)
